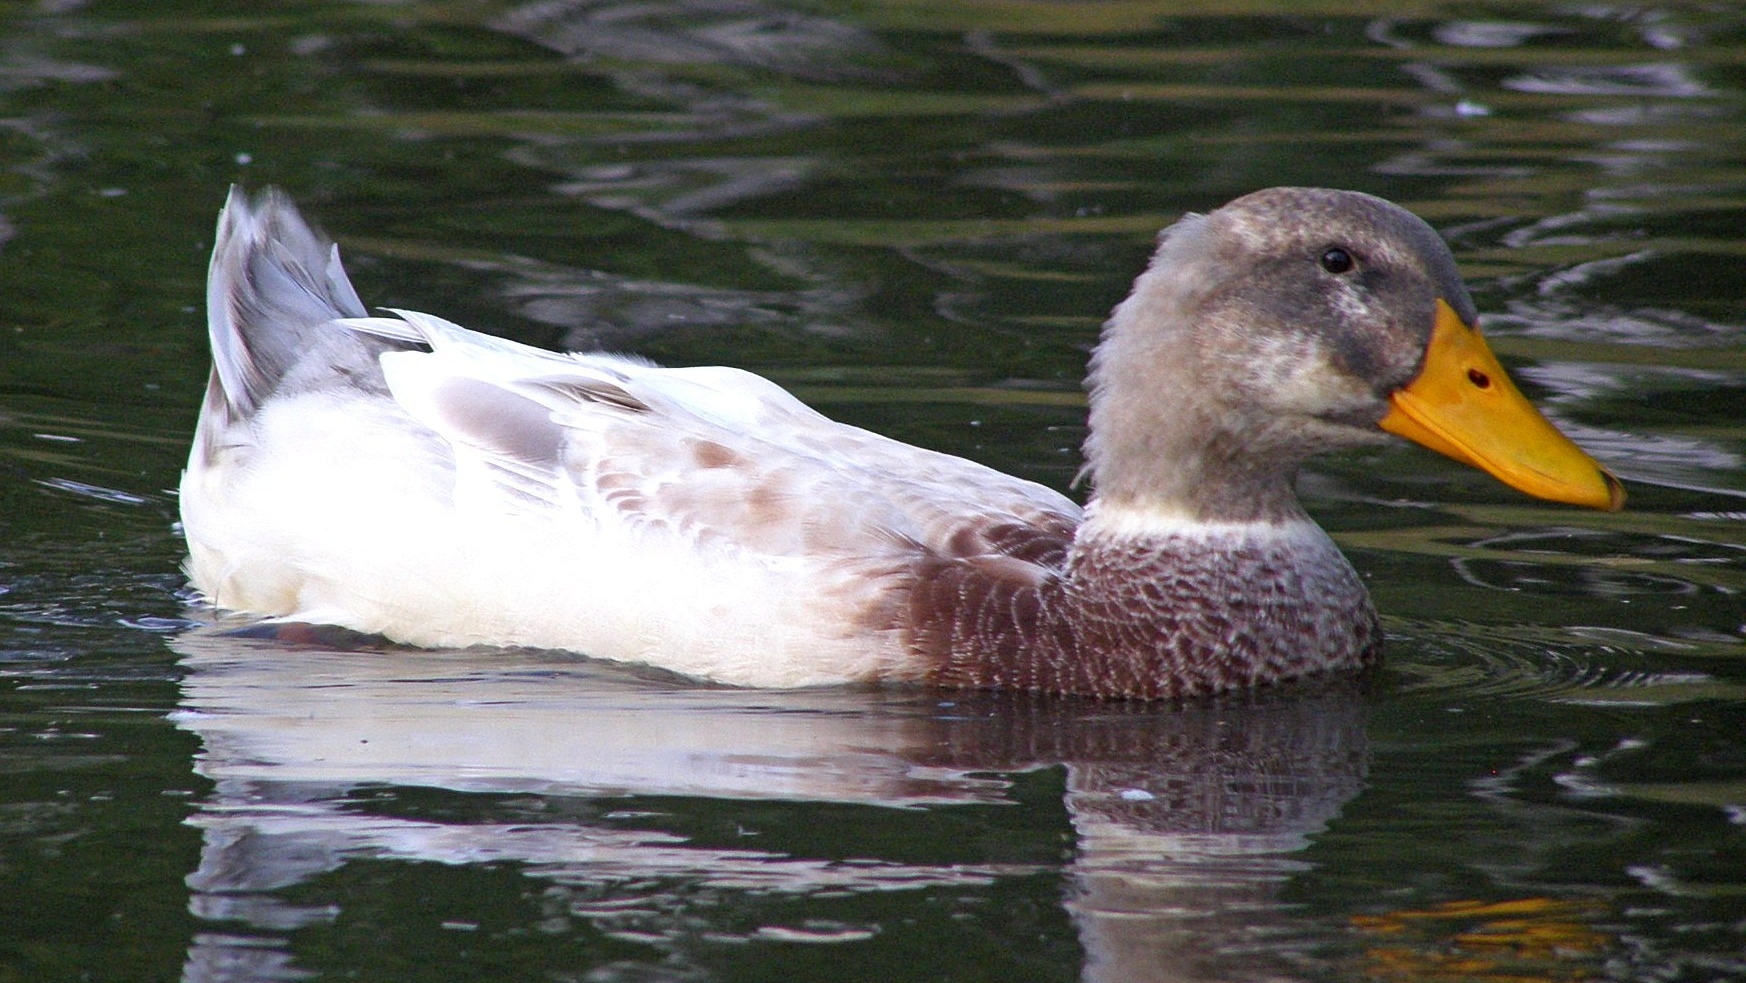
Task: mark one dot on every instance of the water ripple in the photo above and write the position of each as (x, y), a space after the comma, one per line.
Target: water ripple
(1463, 661)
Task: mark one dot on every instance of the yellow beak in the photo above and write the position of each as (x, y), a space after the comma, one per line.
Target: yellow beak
(1462, 405)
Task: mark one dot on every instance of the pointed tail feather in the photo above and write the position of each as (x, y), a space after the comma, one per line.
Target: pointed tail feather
(273, 289)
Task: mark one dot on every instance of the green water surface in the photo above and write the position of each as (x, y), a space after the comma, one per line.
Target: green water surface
(914, 215)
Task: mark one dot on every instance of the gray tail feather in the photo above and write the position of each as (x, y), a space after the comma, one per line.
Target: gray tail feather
(272, 290)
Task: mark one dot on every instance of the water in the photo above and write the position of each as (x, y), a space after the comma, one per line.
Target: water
(915, 216)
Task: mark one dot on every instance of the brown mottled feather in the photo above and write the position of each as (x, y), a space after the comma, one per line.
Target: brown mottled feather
(1161, 619)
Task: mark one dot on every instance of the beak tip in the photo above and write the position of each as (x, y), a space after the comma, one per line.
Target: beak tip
(1615, 491)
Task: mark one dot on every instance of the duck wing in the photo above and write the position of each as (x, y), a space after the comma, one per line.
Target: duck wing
(721, 458)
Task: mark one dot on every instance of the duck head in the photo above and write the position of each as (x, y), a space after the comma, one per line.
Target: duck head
(1297, 320)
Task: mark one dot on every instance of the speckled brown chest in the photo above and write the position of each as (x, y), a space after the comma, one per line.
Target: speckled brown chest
(1146, 618)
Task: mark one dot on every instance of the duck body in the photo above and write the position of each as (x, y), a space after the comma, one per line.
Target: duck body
(408, 477)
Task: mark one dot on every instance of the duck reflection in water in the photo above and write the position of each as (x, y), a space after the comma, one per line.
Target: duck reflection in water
(1184, 819)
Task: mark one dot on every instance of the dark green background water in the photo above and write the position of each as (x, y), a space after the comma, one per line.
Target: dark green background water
(915, 215)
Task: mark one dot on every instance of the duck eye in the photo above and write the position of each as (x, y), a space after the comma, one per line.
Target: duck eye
(1336, 260)
(1479, 379)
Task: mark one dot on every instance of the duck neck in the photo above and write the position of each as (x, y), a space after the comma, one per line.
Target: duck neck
(1187, 462)
(1171, 433)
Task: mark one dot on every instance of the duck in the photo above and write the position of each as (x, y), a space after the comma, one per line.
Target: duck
(398, 475)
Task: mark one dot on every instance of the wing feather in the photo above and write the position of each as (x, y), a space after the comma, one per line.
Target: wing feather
(720, 457)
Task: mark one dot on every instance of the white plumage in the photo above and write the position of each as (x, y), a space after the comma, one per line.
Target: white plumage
(487, 492)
